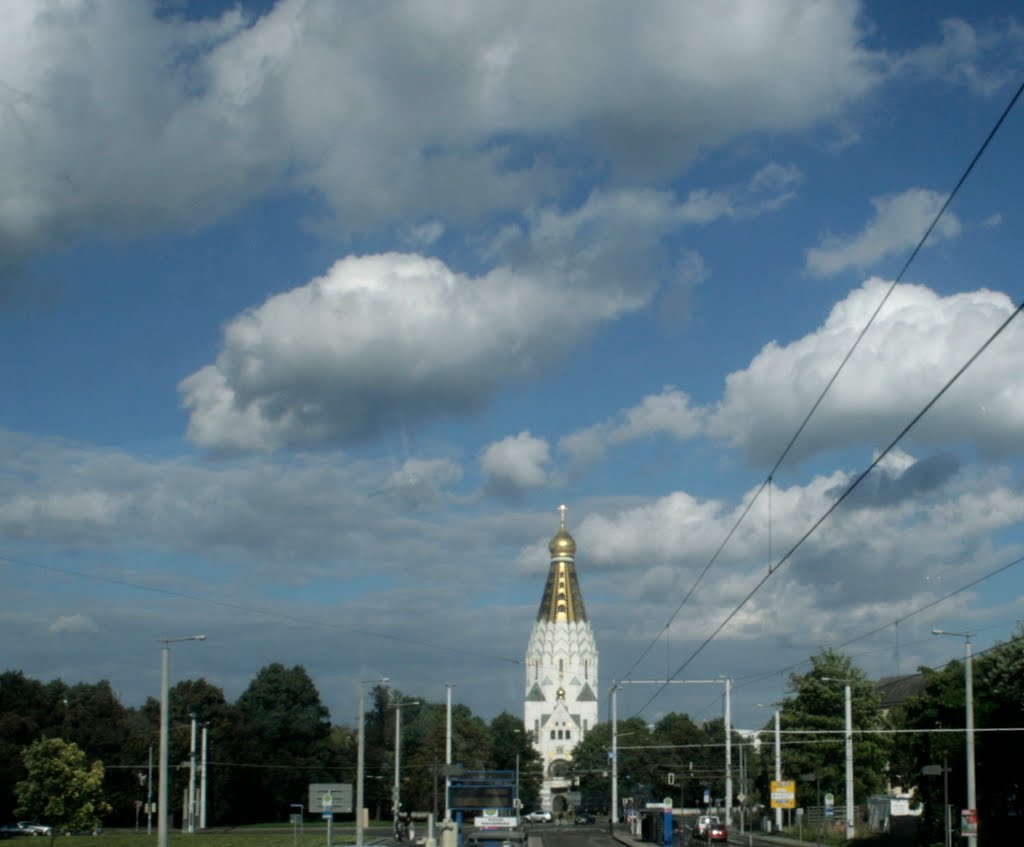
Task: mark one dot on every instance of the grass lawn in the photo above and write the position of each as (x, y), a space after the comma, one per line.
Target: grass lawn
(266, 835)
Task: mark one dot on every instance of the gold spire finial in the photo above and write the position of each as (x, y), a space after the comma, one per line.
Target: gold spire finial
(562, 510)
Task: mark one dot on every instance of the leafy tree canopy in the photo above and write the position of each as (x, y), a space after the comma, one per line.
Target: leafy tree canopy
(61, 788)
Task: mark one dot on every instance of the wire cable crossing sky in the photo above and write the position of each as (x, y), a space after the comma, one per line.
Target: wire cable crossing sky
(313, 313)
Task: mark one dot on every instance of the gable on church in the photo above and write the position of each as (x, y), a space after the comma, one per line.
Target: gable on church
(586, 695)
(535, 695)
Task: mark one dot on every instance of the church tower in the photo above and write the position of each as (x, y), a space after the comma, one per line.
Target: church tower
(561, 673)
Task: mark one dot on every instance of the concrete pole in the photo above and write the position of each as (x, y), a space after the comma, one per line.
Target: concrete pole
(360, 757)
(149, 794)
(849, 764)
(778, 765)
(614, 816)
(165, 673)
(396, 798)
(161, 807)
(202, 795)
(972, 797)
(191, 828)
(728, 752)
(448, 751)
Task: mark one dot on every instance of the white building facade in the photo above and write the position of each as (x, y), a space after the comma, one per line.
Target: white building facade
(561, 674)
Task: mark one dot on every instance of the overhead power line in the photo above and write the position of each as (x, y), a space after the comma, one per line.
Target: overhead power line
(800, 429)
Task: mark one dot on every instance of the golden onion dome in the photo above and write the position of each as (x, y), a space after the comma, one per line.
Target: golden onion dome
(562, 544)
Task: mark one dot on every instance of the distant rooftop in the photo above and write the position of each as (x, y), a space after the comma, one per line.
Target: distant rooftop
(896, 690)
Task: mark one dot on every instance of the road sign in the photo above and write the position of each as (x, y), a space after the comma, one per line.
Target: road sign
(707, 796)
(783, 794)
(830, 805)
(330, 797)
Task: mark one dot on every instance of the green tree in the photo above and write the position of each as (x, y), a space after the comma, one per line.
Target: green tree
(286, 731)
(61, 789)
(998, 704)
(813, 718)
(512, 750)
(28, 710)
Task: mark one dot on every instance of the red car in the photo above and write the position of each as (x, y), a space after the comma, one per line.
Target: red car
(717, 832)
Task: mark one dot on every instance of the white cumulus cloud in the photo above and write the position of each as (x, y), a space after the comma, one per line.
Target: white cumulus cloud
(381, 341)
(899, 222)
(516, 463)
(668, 413)
(918, 341)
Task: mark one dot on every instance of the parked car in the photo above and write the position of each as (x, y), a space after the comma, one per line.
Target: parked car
(585, 819)
(26, 828)
(539, 816)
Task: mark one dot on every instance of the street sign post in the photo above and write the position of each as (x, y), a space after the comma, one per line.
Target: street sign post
(783, 793)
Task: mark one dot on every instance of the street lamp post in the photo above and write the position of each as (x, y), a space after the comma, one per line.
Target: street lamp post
(849, 761)
(778, 765)
(396, 793)
(848, 734)
(613, 814)
(448, 686)
(165, 673)
(359, 760)
(972, 798)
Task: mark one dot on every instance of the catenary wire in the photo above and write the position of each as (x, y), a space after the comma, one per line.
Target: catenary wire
(814, 407)
(840, 499)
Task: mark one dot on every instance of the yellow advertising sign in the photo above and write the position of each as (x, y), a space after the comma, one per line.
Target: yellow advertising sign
(783, 794)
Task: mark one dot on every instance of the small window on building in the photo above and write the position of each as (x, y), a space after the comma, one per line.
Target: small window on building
(552, 735)
(568, 736)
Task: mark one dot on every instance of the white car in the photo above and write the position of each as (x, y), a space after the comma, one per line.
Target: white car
(27, 828)
(539, 816)
(702, 824)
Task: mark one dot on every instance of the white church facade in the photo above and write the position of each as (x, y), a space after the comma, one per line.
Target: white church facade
(561, 673)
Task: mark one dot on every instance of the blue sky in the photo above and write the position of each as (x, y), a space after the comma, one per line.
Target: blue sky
(312, 314)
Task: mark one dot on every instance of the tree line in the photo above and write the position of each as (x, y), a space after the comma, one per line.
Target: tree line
(263, 750)
(893, 747)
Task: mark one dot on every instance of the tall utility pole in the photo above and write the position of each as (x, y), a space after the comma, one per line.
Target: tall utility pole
(448, 686)
(613, 816)
(360, 758)
(202, 794)
(165, 673)
(396, 793)
(191, 828)
(778, 765)
(848, 734)
(149, 794)
(972, 797)
(727, 714)
(848, 704)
